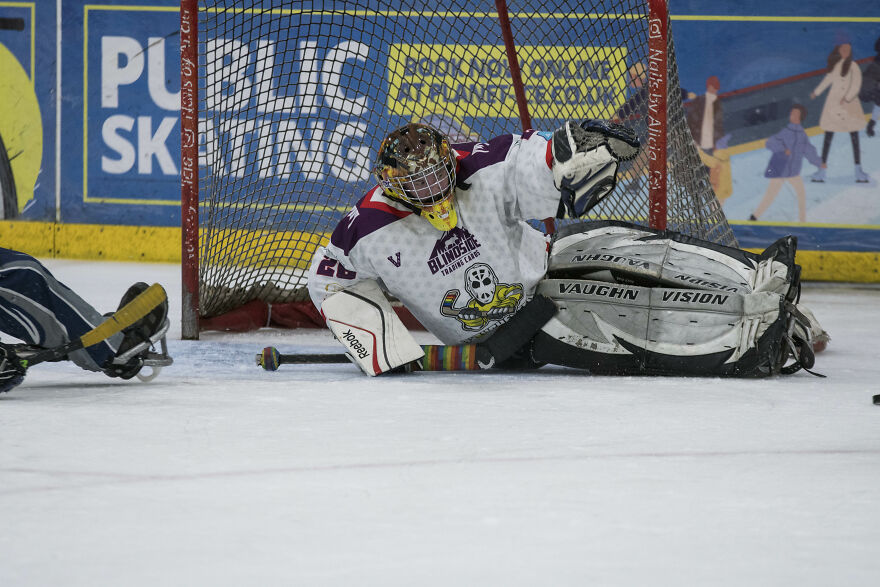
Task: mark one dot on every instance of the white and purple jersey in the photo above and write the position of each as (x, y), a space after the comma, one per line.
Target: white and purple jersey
(463, 283)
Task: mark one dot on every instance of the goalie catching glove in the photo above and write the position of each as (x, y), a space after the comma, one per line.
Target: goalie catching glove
(585, 161)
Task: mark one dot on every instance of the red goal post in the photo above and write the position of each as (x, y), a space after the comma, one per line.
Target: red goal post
(284, 103)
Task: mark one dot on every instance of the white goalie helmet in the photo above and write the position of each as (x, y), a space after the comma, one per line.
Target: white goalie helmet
(416, 165)
(480, 282)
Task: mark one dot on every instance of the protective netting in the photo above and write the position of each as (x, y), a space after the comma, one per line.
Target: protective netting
(296, 96)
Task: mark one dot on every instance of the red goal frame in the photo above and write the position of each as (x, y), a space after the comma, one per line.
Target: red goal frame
(658, 43)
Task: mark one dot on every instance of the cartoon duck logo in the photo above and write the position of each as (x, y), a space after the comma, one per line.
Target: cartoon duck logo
(490, 300)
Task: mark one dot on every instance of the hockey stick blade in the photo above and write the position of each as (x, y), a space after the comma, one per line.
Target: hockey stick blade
(520, 329)
(124, 317)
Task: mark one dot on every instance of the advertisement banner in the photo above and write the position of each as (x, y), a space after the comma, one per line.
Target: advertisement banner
(309, 105)
(121, 129)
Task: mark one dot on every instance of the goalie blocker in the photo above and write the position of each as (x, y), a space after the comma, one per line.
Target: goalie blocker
(633, 300)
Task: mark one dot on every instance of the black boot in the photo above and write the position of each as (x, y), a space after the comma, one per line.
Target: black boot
(11, 370)
(138, 338)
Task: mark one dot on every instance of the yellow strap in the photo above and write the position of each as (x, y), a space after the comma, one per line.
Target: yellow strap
(127, 315)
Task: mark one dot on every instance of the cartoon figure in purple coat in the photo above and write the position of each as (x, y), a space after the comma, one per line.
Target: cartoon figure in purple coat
(789, 146)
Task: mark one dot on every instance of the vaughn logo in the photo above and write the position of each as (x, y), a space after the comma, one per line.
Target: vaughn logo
(349, 337)
(595, 289)
(616, 259)
(455, 248)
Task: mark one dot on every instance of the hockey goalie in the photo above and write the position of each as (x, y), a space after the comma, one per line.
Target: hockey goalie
(446, 232)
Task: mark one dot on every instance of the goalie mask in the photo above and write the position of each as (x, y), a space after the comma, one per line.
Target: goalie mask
(480, 283)
(416, 166)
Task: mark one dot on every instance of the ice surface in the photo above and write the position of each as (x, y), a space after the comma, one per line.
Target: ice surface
(218, 473)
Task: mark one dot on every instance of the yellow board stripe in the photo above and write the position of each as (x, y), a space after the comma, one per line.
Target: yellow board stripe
(156, 244)
(163, 245)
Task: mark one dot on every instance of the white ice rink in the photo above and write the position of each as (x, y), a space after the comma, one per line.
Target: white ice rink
(218, 473)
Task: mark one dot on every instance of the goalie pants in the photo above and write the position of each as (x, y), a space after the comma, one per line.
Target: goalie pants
(39, 310)
(633, 300)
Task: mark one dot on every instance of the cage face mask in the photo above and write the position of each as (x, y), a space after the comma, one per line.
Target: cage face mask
(415, 165)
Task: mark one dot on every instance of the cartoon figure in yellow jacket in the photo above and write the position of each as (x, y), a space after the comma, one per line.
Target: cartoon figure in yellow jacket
(21, 136)
(490, 300)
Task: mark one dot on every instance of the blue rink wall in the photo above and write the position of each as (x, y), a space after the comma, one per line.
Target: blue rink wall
(97, 173)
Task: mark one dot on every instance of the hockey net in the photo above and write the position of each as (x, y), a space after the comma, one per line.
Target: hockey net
(291, 100)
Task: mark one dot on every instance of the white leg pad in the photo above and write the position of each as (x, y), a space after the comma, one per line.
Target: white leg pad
(361, 318)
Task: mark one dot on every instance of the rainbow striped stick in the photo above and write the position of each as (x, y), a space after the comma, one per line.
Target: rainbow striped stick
(461, 357)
